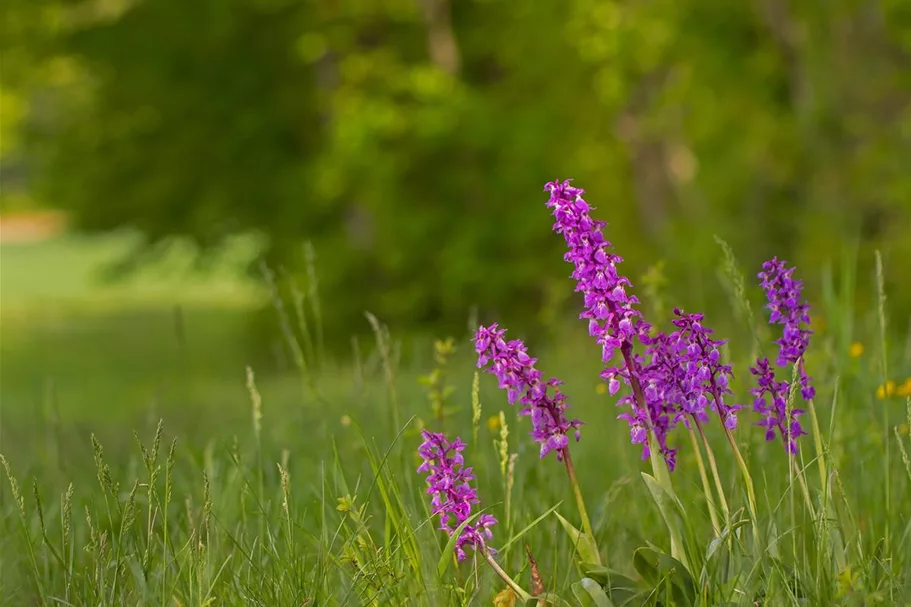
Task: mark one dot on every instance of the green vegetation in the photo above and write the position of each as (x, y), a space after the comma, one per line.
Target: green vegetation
(287, 218)
(406, 139)
(300, 489)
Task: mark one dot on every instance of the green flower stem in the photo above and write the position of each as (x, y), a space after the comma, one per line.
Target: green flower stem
(715, 475)
(705, 484)
(748, 481)
(817, 441)
(744, 469)
(523, 596)
(803, 486)
(659, 466)
(827, 505)
(577, 491)
(663, 475)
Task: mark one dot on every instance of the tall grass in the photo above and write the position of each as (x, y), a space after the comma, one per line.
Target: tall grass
(292, 513)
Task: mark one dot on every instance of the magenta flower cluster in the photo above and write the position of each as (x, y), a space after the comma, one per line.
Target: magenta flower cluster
(449, 482)
(540, 398)
(681, 377)
(703, 371)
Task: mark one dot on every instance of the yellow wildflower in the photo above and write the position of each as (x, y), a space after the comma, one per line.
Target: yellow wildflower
(886, 390)
(905, 388)
(845, 582)
(601, 388)
(856, 350)
(505, 598)
(346, 420)
(493, 423)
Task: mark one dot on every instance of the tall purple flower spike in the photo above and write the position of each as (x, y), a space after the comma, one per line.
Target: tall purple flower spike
(609, 309)
(449, 482)
(612, 319)
(540, 399)
(783, 293)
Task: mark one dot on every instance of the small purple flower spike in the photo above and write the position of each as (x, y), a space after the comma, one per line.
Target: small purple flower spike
(783, 293)
(775, 413)
(516, 373)
(449, 482)
(701, 359)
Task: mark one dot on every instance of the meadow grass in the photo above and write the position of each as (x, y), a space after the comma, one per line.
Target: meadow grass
(299, 488)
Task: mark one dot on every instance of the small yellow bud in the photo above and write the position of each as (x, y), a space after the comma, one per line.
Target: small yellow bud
(886, 390)
(493, 423)
(905, 388)
(856, 350)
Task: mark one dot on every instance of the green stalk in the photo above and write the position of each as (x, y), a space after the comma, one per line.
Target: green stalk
(705, 483)
(828, 506)
(577, 491)
(523, 596)
(659, 466)
(748, 481)
(663, 475)
(742, 464)
(817, 440)
(884, 362)
(715, 474)
(804, 489)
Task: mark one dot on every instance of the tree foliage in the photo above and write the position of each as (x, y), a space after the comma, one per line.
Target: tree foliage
(410, 139)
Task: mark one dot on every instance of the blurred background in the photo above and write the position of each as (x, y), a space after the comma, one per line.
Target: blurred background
(390, 156)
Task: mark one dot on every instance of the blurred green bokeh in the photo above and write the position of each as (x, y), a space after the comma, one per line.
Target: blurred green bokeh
(409, 140)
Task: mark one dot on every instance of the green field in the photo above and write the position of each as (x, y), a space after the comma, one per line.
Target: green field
(82, 350)
(221, 524)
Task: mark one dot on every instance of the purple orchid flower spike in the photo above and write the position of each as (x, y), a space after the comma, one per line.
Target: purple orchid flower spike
(703, 371)
(783, 293)
(540, 398)
(612, 318)
(772, 403)
(449, 484)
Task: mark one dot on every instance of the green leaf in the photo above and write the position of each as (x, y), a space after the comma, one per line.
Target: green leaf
(448, 551)
(596, 571)
(719, 541)
(645, 566)
(672, 511)
(590, 594)
(658, 569)
(584, 543)
(619, 588)
(548, 598)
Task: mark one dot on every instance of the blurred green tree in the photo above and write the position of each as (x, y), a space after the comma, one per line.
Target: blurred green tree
(410, 139)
